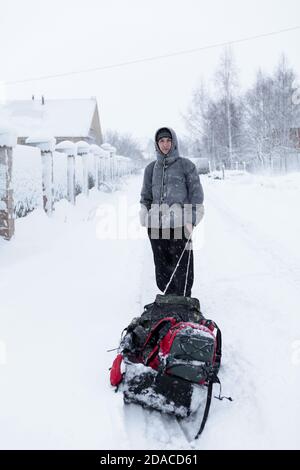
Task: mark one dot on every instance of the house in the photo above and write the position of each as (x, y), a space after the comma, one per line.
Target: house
(64, 119)
(295, 136)
(202, 164)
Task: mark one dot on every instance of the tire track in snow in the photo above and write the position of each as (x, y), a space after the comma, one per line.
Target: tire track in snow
(254, 288)
(146, 426)
(220, 269)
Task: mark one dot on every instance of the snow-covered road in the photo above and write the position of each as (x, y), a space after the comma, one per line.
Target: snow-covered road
(251, 287)
(66, 295)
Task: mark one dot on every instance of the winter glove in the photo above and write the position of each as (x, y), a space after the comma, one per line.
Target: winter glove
(189, 228)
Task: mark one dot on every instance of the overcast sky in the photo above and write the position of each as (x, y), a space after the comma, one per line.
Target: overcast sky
(39, 38)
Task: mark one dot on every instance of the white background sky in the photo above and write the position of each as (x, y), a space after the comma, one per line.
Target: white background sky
(46, 37)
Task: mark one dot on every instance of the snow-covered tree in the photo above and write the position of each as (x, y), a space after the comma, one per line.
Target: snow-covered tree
(226, 85)
(216, 124)
(284, 111)
(271, 114)
(125, 144)
(258, 110)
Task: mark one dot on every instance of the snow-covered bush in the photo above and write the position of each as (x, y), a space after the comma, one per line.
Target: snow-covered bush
(26, 180)
(60, 176)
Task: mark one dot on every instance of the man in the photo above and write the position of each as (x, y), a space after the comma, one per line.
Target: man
(171, 206)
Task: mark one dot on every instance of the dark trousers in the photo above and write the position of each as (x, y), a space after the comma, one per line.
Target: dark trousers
(166, 253)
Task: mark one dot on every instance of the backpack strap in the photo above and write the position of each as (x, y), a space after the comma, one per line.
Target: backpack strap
(213, 379)
(212, 325)
(207, 407)
(208, 402)
(160, 329)
(219, 349)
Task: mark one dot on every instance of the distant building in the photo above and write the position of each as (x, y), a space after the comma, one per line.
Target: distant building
(295, 136)
(202, 164)
(65, 119)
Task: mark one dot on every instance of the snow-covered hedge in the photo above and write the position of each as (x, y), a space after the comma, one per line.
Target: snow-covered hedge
(79, 172)
(27, 179)
(27, 176)
(60, 176)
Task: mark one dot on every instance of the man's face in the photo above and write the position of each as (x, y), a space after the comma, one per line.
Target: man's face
(165, 145)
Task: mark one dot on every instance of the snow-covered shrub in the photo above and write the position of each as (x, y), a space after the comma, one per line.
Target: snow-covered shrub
(60, 176)
(26, 180)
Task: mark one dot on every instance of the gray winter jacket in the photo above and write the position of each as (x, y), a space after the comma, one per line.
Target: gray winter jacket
(172, 194)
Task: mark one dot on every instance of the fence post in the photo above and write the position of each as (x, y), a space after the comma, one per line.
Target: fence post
(83, 151)
(118, 167)
(96, 151)
(46, 146)
(223, 171)
(107, 167)
(108, 172)
(8, 140)
(101, 176)
(113, 152)
(69, 148)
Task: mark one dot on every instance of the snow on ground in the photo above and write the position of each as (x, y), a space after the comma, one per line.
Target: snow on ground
(250, 283)
(66, 295)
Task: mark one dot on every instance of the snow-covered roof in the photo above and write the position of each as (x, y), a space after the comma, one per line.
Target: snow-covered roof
(59, 118)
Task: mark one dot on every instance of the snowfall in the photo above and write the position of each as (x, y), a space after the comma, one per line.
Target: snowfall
(71, 282)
